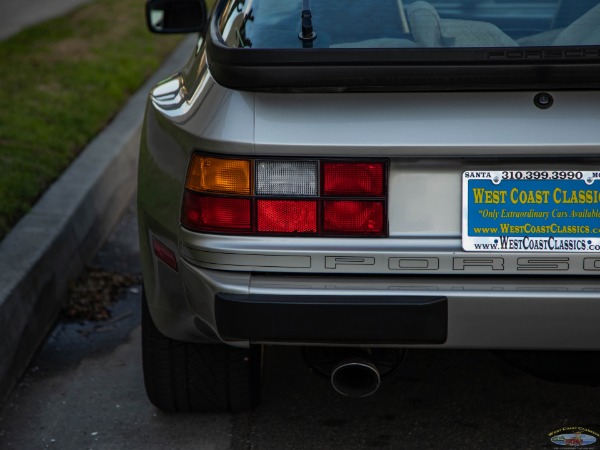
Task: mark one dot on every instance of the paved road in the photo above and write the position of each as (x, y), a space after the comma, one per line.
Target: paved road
(85, 391)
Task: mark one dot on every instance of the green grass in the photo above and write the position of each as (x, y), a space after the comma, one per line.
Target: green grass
(60, 83)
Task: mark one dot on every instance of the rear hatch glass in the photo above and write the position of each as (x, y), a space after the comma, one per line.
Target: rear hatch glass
(372, 40)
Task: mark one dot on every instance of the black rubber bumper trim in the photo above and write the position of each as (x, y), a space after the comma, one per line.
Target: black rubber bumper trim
(333, 319)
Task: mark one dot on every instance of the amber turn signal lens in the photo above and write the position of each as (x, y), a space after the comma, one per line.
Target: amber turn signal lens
(219, 175)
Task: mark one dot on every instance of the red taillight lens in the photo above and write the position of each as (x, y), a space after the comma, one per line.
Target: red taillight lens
(353, 179)
(353, 217)
(204, 213)
(287, 216)
(280, 196)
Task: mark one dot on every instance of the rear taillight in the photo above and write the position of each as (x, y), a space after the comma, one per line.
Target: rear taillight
(286, 197)
(360, 179)
(216, 213)
(353, 217)
(286, 216)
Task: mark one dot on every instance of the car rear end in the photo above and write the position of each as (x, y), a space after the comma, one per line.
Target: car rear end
(347, 195)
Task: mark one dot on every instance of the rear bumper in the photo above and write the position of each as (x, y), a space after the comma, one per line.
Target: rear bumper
(543, 313)
(333, 319)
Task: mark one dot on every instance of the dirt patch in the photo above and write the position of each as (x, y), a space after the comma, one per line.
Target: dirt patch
(71, 49)
(97, 26)
(93, 295)
(118, 17)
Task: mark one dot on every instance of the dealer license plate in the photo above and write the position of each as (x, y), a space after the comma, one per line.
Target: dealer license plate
(531, 211)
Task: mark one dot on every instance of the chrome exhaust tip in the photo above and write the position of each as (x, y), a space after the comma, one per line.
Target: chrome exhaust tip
(356, 378)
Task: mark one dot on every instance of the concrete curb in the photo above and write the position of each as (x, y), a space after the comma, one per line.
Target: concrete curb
(50, 246)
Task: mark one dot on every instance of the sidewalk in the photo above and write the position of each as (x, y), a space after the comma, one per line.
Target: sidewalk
(51, 245)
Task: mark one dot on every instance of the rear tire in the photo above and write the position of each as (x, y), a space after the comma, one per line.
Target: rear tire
(181, 376)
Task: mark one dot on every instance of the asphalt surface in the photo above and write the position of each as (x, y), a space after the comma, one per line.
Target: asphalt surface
(84, 389)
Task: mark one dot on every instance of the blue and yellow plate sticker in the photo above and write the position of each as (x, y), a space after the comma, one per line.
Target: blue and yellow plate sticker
(531, 211)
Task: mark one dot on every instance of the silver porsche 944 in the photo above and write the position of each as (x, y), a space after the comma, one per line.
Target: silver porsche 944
(364, 177)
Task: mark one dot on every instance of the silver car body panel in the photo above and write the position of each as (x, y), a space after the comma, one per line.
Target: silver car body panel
(495, 300)
(483, 312)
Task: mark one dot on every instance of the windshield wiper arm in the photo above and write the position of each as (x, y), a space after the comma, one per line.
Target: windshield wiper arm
(307, 33)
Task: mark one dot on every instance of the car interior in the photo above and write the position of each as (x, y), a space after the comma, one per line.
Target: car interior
(414, 24)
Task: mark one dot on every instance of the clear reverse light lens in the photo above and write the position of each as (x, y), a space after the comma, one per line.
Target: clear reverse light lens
(290, 178)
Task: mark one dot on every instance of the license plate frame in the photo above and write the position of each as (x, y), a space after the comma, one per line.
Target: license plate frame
(531, 211)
